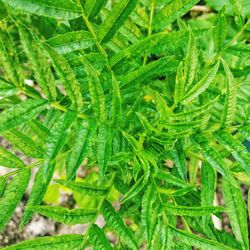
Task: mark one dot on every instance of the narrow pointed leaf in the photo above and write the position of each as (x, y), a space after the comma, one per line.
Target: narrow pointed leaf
(231, 97)
(71, 41)
(112, 23)
(67, 241)
(21, 113)
(98, 239)
(7, 89)
(60, 9)
(237, 212)
(9, 159)
(12, 195)
(113, 219)
(93, 7)
(66, 216)
(23, 143)
(81, 145)
(83, 188)
(67, 77)
(214, 159)
(202, 85)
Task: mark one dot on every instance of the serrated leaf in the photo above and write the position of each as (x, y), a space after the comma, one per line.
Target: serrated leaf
(214, 159)
(173, 10)
(114, 221)
(202, 85)
(84, 188)
(231, 98)
(148, 72)
(192, 211)
(7, 89)
(38, 191)
(149, 213)
(23, 143)
(135, 189)
(42, 72)
(57, 138)
(60, 9)
(116, 104)
(81, 145)
(67, 241)
(208, 185)
(220, 30)
(3, 184)
(191, 61)
(92, 8)
(71, 41)
(194, 240)
(98, 239)
(12, 195)
(64, 215)
(236, 211)
(9, 159)
(112, 23)
(21, 113)
(170, 178)
(67, 77)
(104, 142)
(179, 159)
(237, 149)
(179, 89)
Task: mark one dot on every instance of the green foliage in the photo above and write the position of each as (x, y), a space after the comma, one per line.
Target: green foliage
(139, 108)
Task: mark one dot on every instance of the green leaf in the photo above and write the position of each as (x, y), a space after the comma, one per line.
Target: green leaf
(171, 179)
(42, 72)
(104, 143)
(192, 211)
(237, 212)
(38, 191)
(93, 7)
(10, 160)
(148, 72)
(114, 221)
(23, 143)
(194, 240)
(96, 91)
(208, 186)
(98, 239)
(113, 22)
(116, 104)
(173, 10)
(71, 41)
(179, 159)
(191, 61)
(149, 213)
(135, 189)
(84, 188)
(214, 159)
(220, 30)
(202, 85)
(67, 77)
(81, 146)
(179, 89)
(237, 149)
(12, 195)
(57, 138)
(3, 184)
(60, 9)
(21, 113)
(64, 215)
(7, 89)
(67, 241)
(231, 98)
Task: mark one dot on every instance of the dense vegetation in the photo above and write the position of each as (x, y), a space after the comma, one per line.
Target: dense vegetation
(149, 97)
